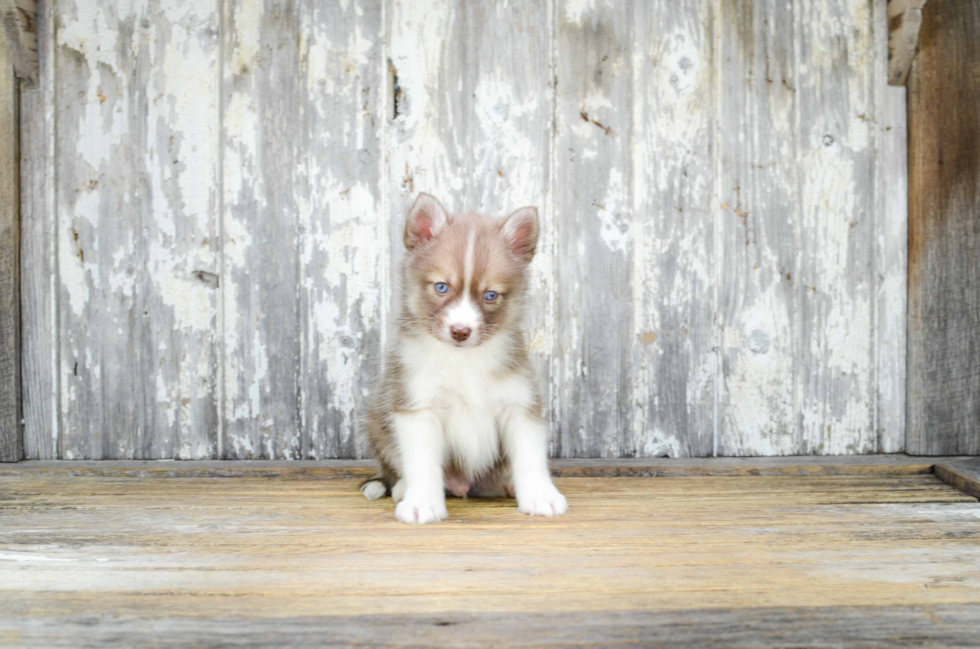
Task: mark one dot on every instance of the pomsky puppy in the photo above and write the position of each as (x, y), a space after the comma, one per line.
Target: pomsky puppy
(457, 409)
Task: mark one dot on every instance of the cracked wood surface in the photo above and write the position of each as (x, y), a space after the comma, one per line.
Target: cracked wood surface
(214, 194)
(747, 560)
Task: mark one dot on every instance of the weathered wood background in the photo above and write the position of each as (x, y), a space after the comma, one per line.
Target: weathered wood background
(213, 194)
(944, 232)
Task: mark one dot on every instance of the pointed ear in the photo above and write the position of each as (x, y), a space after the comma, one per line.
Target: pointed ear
(520, 230)
(425, 220)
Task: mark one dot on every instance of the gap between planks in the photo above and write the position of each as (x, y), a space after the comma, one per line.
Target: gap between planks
(961, 473)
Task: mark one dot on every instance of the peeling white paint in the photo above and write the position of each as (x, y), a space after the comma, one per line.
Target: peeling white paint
(739, 242)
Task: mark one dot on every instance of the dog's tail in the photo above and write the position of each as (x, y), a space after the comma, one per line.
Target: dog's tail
(375, 487)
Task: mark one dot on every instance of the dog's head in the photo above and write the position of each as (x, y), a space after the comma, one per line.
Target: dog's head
(465, 276)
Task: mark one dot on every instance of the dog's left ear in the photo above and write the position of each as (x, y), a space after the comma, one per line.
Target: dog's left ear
(520, 229)
(425, 221)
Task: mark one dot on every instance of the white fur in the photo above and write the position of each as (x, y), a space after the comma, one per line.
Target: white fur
(422, 448)
(462, 389)
(464, 314)
(459, 403)
(525, 440)
(373, 490)
(398, 491)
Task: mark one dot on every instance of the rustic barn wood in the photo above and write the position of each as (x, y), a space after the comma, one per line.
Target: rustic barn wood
(904, 21)
(20, 25)
(11, 431)
(881, 465)
(469, 121)
(758, 215)
(961, 474)
(943, 625)
(39, 259)
(262, 147)
(862, 560)
(215, 194)
(890, 254)
(671, 329)
(944, 233)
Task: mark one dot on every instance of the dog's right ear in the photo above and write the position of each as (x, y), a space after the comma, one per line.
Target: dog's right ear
(425, 220)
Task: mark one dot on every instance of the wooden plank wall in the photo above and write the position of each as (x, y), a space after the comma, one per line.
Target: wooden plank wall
(215, 194)
(11, 438)
(944, 232)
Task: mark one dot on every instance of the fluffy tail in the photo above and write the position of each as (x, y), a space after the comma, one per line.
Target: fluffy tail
(374, 487)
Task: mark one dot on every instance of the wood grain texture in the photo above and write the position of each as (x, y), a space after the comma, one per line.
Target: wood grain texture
(11, 431)
(595, 224)
(177, 250)
(303, 260)
(963, 475)
(810, 465)
(891, 251)
(835, 285)
(469, 121)
(673, 372)
(216, 193)
(136, 163)
(683, 549)
(952, 625)
(797, 196)
(944, 233)
(97, 113)
(262, 87)
(904, 22)
(20, 22)
(758, 216)
(341, 222)
(40, 370)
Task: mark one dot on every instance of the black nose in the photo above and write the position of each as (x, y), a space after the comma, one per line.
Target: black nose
(460, 333)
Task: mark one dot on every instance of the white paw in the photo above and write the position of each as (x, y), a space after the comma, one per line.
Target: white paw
(374, 490)
(541, 500)
(421, 510)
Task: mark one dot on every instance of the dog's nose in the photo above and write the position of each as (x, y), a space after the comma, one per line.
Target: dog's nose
(460, 333)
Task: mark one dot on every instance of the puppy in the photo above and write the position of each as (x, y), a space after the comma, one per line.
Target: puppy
(457, 409)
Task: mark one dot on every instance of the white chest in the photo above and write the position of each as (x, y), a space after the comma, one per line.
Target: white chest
(467, 391)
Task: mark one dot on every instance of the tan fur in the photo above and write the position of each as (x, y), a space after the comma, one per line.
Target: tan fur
(500, 258)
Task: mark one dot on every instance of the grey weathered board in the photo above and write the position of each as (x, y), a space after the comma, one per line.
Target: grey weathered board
(11, 441)
(214, 194)
(944, 232)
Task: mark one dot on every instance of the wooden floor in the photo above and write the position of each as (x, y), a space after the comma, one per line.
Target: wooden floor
(130, 559)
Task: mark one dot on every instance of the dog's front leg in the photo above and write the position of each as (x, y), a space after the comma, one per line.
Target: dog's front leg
(525, 441)
(422, 448)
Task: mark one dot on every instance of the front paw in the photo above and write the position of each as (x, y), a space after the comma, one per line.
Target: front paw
(541, 500)
(420, 510)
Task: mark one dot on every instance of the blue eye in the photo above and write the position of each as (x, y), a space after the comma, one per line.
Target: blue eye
(490, 296)
(442, 287)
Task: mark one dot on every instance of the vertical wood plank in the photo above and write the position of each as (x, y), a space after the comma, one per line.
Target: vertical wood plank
(98, 115)
(737, 149)
(836, 112)
(673, 185)
(471, 105)
(178, 245)
(39, 332)
(11, 431)
(341, 222)
(944, 233)
(891, 246)
(262, 122)
(837, 183)
(594, 228)
(758, 215)
(136, 198)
